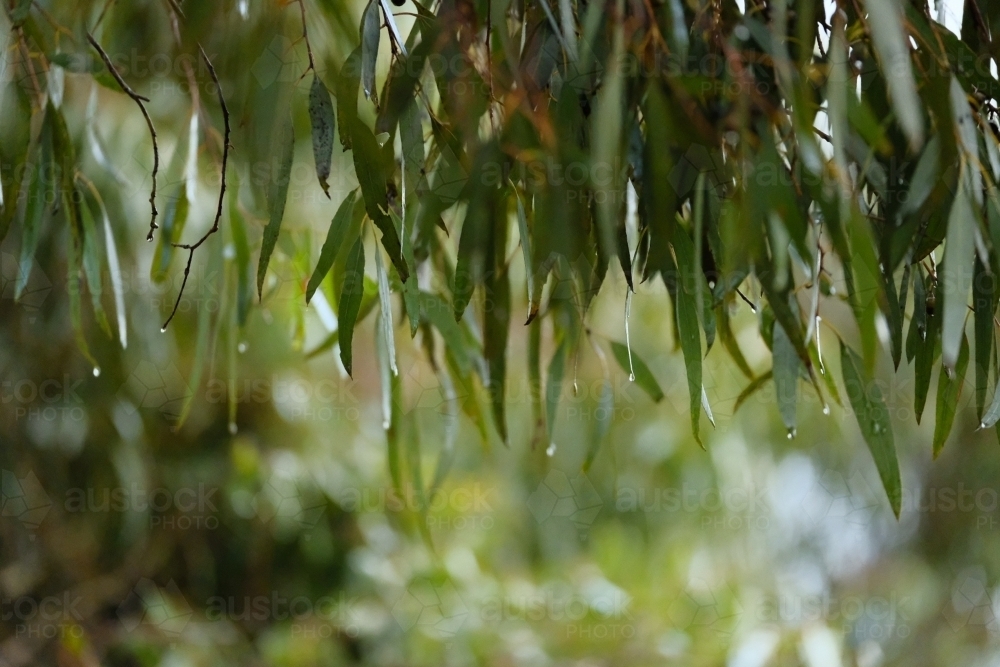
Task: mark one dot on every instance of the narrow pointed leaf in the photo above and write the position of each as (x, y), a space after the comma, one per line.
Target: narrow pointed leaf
(323, 122)
(350, 302)
(335, 237)
(643, 376)
(869, 408)
(284, 147)
(948, 394)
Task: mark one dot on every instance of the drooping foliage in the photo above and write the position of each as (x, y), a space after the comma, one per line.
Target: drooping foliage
(790, 154)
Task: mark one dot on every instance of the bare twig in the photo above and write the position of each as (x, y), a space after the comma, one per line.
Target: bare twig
(107, 5)
(191, 247)
(139, 99)
(305, 37)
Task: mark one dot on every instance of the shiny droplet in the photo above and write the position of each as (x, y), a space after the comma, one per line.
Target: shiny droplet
(232, 428)
(97, 372)
(791, 433)
(826, 409)
(551, 450)
(163, 330)
(385, 424)
(241, 348)
(576, 387)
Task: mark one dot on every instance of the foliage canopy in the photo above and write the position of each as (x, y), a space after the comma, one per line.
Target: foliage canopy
(785, 154)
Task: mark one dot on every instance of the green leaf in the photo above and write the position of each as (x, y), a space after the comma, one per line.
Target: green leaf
(984, 305)
(370, 33)
(873, 417)
(553, 387)
(323, 125)
(955, 273)
(525, 239)
(19, 13)
(347, 96)
(928, 347)
(495, 334)
(244, 276)
(41, 189)
(948, 394)
(436, 311)
(284, 149)
(370, 168)
(602, 422)
(643, 376)
(885, 20)
(686, 307)
(349, 304)
(171, 229)
(92, 265)
(340, 228)
(786, 375)
(755, 385)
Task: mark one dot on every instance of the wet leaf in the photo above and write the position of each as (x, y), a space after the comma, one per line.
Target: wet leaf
(323, 126)
(869, 408)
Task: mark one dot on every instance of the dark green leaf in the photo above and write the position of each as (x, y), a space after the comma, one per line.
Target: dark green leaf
(949, 392)
(643, 376)
(340, 228)
(284, 149)
(869, 408)
(349, 304)
(371, 21)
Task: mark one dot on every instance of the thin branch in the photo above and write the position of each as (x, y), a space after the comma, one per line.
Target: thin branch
(107, 5)
(139, 99)
(191, 247)
(305, 37)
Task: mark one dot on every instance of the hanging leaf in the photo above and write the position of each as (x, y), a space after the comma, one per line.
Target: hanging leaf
(284, 148)
(171, 231)
(984, 305)
(948, 394)
(755, 385)
(371, 21)
(885, 20)
(370, 168)
(92, 265)
(869, 408)
(686, 311)
(339, 231)
(786, 376)
(643, 376)
(385, 301)
(323, 126)
(349, 304)
(553, 389)
(603, 414)
(496, 329)
(955, 274)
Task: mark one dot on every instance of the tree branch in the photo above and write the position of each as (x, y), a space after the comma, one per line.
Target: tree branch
(191, 247)
(139, 99)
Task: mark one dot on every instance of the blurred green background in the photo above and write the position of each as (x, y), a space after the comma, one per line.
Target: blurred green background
(267, 531)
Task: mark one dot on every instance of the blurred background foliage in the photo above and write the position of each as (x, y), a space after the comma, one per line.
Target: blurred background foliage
(225, 493)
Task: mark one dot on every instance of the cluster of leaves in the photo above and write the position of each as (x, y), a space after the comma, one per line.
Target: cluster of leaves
(769, 150)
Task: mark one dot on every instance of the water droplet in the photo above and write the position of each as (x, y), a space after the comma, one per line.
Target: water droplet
(826, 409)
(631, 377)
(551, 450)
(576, 387)
(876, 427)
(385, 424)
(163, 330)
(232, 428)
(791, 433)
(97, 372)
(241, 348)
